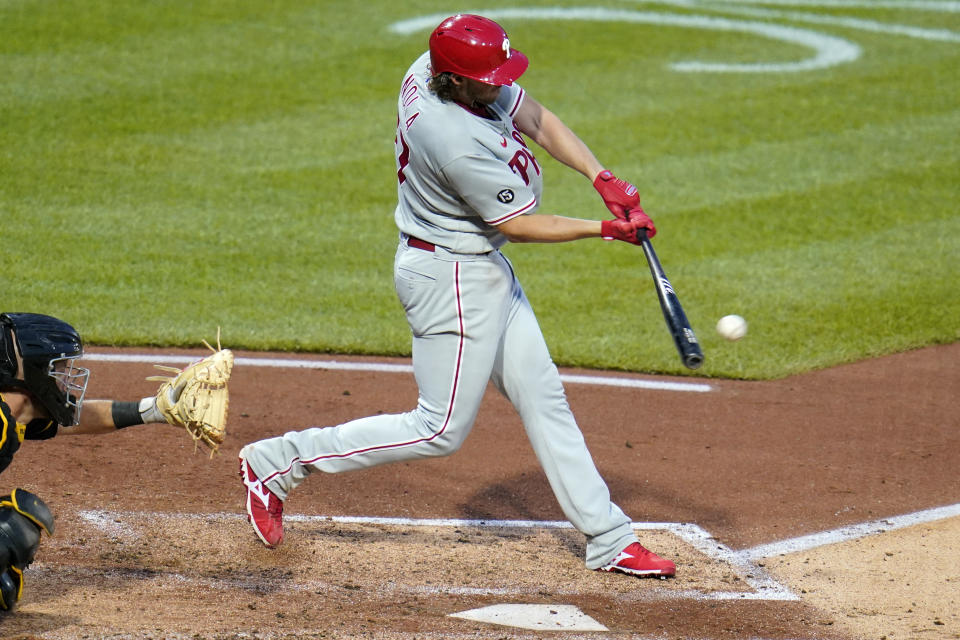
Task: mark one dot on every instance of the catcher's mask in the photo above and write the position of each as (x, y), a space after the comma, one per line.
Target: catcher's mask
(45, 349)
(475, 47)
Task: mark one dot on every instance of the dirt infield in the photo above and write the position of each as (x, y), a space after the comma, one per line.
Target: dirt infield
(151, 543)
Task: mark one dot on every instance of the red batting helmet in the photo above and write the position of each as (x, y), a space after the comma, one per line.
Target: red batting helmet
(475, 47)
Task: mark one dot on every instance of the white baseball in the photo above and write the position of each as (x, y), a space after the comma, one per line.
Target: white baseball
(732, 327)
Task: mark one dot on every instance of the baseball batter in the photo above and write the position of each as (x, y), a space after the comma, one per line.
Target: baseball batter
(467, 184)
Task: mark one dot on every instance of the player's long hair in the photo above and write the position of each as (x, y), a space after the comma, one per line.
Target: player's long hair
(442, 85)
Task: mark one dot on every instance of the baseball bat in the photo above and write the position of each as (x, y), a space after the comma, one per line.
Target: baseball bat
(690, 352)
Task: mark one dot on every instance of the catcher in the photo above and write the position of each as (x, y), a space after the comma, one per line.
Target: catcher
(41, 396)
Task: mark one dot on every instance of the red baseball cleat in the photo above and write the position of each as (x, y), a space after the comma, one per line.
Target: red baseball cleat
(638, 561)
(264, 508)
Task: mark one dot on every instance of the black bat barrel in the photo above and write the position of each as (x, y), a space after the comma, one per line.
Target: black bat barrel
(683, 337)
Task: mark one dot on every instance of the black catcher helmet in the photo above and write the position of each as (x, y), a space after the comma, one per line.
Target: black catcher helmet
(47, 348)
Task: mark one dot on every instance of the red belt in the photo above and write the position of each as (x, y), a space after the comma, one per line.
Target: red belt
(417, 243)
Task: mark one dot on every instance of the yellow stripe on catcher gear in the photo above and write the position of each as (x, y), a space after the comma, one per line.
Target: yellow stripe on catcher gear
(197, 398)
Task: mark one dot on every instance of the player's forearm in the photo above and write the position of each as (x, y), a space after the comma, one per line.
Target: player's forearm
(566, 147)
(556, 138)
(105, 416)
(96, 417)
(549, 228)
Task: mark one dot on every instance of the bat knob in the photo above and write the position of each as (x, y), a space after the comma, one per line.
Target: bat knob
(693, 360)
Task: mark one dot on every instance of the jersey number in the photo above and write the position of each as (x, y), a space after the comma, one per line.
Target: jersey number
(403, 158)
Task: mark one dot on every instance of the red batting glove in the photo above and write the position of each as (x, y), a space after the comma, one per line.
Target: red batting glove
(619, 195)
(626, 230)
(637, 214)
(619, 230)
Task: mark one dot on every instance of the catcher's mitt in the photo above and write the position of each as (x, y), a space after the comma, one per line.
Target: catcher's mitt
(196, 398)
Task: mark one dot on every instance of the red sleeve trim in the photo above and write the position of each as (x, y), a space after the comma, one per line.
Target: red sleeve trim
(513, 214)
(516, 106)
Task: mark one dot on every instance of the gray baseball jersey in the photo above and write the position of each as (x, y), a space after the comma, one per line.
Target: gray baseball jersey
(469, 173)
(460, 175)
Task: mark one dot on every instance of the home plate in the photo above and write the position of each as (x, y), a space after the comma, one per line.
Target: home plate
(540, 617)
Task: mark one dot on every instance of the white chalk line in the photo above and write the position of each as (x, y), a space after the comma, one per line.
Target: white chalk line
(949, 6)
(764, 587)
(745, 563)
(850, 532)
(921, 33)
(828, 50)
(657, 385)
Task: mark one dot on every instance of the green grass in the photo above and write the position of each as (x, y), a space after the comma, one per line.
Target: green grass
(170, 167)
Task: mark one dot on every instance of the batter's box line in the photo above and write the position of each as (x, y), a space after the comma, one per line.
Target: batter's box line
(765, 587)
(849, 532)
